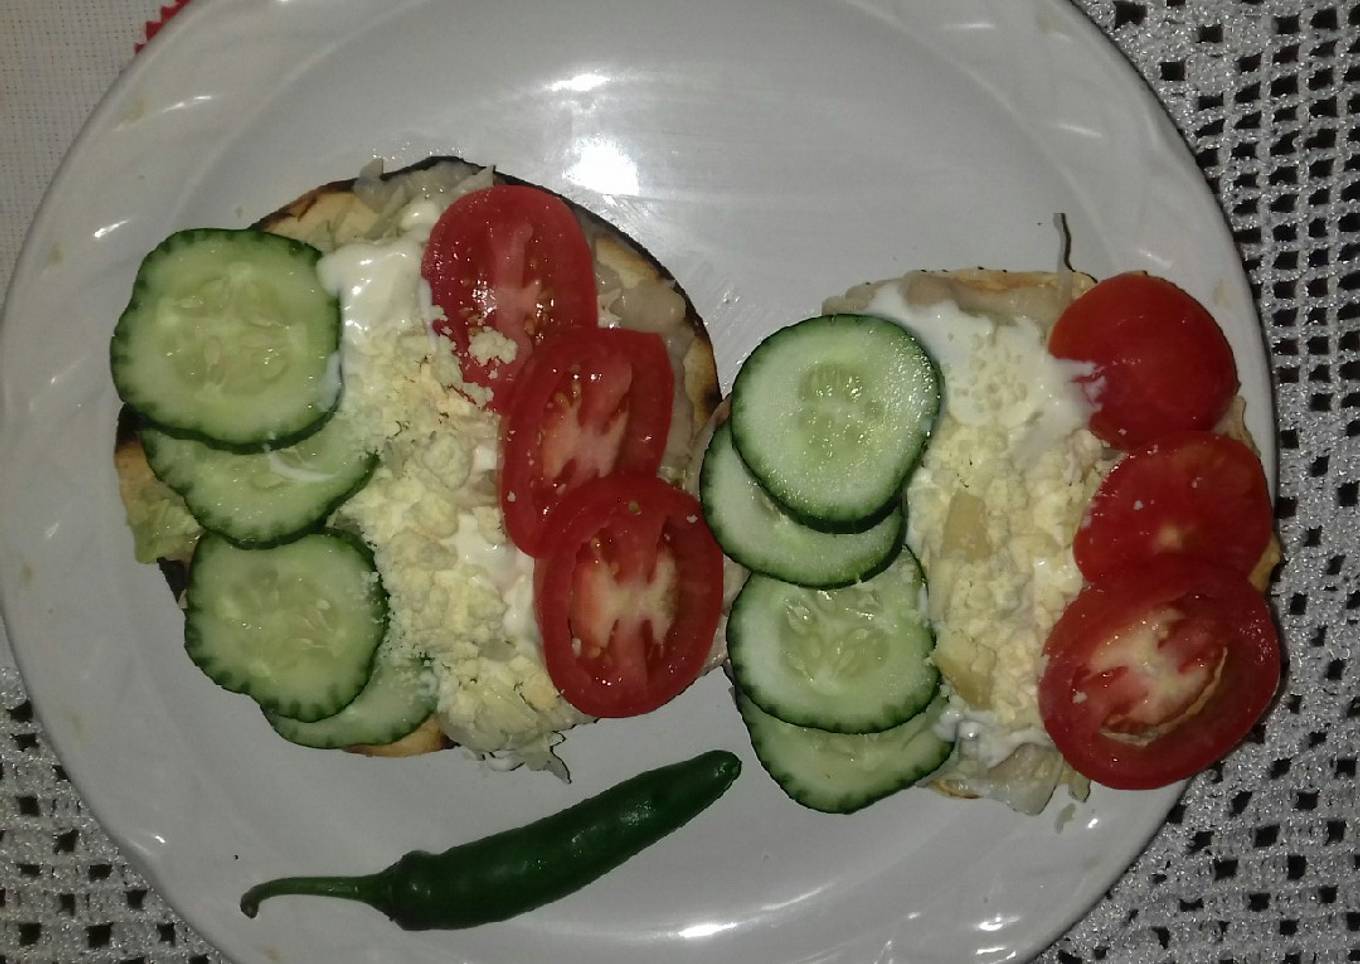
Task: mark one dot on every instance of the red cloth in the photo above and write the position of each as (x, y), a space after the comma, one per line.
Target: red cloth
(153, 26)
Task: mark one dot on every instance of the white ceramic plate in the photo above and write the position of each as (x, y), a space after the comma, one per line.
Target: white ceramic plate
(771, 153)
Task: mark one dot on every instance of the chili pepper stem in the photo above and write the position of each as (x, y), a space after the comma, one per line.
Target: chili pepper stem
(367, 889)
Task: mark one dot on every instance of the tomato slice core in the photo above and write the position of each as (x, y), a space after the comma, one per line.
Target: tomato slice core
(1189, 493)
(629, 594)
(509, 261)
(1151, 678)
(1152, 672)
(589, 403)
(1160, 363)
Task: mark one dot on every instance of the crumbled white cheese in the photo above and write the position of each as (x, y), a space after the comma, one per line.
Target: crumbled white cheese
(992, 519)
(462, 595)
(488, 344)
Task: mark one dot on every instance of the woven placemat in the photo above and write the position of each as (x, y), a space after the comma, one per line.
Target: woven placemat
(1261, 859)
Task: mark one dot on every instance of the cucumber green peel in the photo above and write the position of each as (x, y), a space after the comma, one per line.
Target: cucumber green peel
(831, 415)
(852, 660)
(229, 338)
(754, 530)
(294, 627)
(264, 499)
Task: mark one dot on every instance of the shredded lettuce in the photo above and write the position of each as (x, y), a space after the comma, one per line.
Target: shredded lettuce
(162, 527)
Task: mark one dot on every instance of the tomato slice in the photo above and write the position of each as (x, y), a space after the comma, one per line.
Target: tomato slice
(1151, 678)
(1190, 493)
(588, 403)
(628, 595)
(1160, 362)
(512, 260)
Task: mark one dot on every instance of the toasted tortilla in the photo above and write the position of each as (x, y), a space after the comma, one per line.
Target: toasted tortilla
(364, 209)
(1027, 778)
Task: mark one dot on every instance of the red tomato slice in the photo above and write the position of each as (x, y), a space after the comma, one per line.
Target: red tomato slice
(587, 404)
(1151, 678)
(1161, 363)
(1189, 493)
(628, 595)
(514, 260)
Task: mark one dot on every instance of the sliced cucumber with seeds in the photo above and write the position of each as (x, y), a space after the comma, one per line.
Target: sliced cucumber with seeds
(852, 660)
(832, 413)
(230, 338)
(262, 499)
(843, 772)
(756, 532)
(397, 698)
(294, 627)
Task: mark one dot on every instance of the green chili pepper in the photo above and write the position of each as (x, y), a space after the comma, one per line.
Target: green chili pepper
(517, 870)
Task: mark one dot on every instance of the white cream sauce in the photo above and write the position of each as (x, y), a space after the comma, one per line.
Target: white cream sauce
(1050, 405)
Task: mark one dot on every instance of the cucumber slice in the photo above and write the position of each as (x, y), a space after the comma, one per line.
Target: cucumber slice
(844, 772)
(853, 660)
(265, 498)
(396, 699)
(756, 532)
(230, 338)
(294, 627)
(832, 413)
